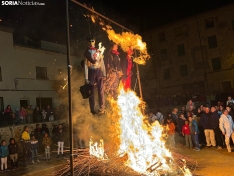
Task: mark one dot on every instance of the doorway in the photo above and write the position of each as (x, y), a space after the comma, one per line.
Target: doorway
(44, 102)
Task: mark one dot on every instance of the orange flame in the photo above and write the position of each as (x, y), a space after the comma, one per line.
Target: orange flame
(126, 40)
(136, 138)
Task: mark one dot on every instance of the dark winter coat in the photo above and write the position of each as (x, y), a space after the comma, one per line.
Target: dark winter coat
(206, 121)
(60, 135)
(13, 148)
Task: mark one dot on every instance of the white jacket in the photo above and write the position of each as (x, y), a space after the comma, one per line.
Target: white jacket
(226, 124)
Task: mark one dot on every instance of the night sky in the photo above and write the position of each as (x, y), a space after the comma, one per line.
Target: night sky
(48, 22)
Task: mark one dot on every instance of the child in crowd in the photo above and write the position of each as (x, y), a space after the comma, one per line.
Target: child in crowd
(3, 155)
(43, 112)
(193, 126)
(186, 132)
(13, 151)
(34, 147)
(171, 133)
(47, 142)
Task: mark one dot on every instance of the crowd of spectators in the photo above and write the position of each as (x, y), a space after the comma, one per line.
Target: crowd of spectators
(30, 115)
(181, 99)
(32, 142)
(196, 125)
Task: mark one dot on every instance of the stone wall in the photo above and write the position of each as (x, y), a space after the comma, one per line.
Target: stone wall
(15, 131)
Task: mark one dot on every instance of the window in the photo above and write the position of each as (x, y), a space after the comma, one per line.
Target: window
(167, 74)
(212, 41)
(164, 54)
(233, 25)
(41, 72)
(209, 23)
(183, 70)
(180, 49)
(161, 36)
(0, 74)
(216, 64)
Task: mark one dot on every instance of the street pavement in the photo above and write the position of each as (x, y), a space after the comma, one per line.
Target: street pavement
(41, 168)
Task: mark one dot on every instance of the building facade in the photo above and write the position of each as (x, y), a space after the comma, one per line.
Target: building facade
(192, 55)
(27, 74)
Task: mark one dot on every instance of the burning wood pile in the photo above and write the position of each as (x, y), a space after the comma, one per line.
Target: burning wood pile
(86, 164)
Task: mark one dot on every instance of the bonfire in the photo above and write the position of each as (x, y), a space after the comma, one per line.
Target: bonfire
(137, 148)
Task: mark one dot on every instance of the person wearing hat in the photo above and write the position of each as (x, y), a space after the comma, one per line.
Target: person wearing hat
(95, 73)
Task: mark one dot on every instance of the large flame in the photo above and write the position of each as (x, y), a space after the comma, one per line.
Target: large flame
(125, 40)
(141, 142)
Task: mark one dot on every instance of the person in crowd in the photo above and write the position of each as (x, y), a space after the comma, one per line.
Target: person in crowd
(54, 133)
(37, 115)
(45, 129)
(8, 113)
(190, 105)
(17, 116)
(180, 123)
(183, 111)
(159, 116)
(226, 126)
(57, 113)
(171, 133)
(13, 152)
(47, 143)
(174, 116)
(61, 138)
(4, 152)
(44, 114)
(29, 114)
(215, 124)
(34, 147)
(230, 112)
(38, 135)
(114, 72)
(49, 113)
(230, 102)
(193, 126)
(220, 111)
(23, 114)
(186, 132)
(26, 144)
(212, 99)
(206, 122)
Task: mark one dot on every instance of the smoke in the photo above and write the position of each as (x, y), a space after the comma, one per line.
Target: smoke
(86, 124)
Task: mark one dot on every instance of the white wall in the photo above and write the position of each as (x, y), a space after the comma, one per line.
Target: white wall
(18, 64)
